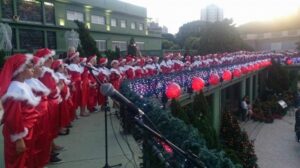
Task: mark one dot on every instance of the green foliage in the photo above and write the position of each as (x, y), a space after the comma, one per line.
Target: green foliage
(181, 134)
(220, 37)
(191, 29)
(201, 119)
(2, 56)
(131, 48)
(209, 37)
(280, 75)
(192, 43)
(169, 45)
(169, 37)
(237, 141)
(178, 112)
(293, 80)
(88, 44)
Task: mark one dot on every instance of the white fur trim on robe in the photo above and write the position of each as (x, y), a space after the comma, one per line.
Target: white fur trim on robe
(75, 68)
(22, 92)
(15, 137)
(46, 69)
(38, 86)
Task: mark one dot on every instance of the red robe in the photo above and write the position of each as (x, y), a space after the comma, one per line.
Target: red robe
(129, 72)
(42, 127)
(103, 77)
(50, 80)
(19, 119)
(75, 73)
(66, 105)
(85, 87)
(139, 72)
(115, 78)
(93, 91)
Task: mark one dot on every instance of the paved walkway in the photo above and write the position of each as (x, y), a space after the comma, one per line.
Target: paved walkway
(275, 144)
(85, 144)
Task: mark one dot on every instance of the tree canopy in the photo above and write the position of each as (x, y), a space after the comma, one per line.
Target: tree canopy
(206, 37)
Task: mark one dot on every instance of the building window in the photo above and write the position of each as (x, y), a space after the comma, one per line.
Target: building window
(14, 38)
(141, 26)
(121, 44)
(132, 25)
(73, 15)
(140, 45)
(98, 19)
(123, 23)
(49, 12)
(31, 39)
(101, 45)
(113, 22)
(30, 10)
(51, 39)
(7, 9)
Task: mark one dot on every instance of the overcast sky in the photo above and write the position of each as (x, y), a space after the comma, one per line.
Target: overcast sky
(174, 13)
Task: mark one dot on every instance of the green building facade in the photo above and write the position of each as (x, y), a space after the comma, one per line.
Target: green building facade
(43, 23)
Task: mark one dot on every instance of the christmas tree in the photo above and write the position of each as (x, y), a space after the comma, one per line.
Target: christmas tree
(178, 112)
(88, 45)
(237, 142)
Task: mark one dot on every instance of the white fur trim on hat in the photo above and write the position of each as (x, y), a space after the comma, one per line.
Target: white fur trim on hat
(114, 61)
(51, 54)
(29, 57)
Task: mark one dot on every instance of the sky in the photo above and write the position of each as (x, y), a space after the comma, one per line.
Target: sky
(174, 13)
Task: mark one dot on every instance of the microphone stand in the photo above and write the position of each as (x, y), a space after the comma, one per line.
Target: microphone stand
(191, 159)
(106, 109)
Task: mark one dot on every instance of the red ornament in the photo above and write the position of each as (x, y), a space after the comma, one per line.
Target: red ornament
(227, 75)
(173, 90)
(237, 73)
(244, 69)
(197, 84)
(214, 79)
(289, 62)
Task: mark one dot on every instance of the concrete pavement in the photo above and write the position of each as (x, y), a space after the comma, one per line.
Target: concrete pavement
(275, 144)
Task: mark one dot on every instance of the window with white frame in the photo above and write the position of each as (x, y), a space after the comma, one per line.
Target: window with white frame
(97, 20)
(132, 25)
(113, 22)
(123, 23)
(140, 45)
(73, 15)
(141, 26)
(101, 45)
(121, 44)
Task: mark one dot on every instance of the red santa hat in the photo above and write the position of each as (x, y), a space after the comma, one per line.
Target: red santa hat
(114, 62)
(37, 61)
(12, 67)
(73, 55)
(90, 58)
(129, 60)
(56, 64)
(102, 61)
(44, 53)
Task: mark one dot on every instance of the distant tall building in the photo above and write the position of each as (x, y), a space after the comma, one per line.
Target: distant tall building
(164, 29)
(212, 13)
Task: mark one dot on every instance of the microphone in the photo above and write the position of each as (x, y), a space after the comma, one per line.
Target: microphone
(107, 89)
(89, 67)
